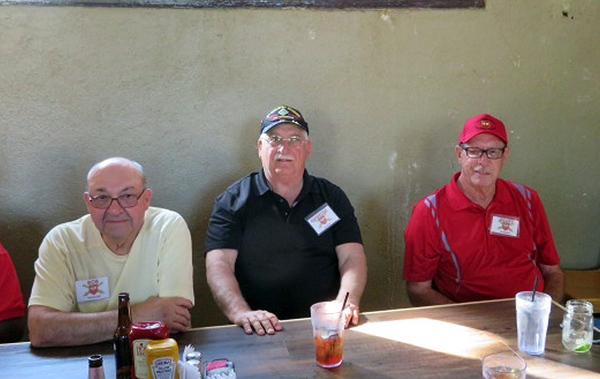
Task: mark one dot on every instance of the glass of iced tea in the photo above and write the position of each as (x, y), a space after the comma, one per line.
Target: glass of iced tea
(505, 365)
(328, 332)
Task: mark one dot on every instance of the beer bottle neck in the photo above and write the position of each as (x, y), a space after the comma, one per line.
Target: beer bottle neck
(124, 314)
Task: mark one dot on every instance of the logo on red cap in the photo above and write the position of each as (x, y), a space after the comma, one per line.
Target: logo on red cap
(486, 124)
(483, 123)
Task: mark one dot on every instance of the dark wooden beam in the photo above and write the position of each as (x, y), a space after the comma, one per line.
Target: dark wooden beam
(329, 4)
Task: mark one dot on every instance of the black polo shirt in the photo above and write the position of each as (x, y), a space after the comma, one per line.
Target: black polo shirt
(283, 266)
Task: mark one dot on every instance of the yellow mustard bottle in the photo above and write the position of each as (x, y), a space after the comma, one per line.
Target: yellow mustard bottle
(162, 356)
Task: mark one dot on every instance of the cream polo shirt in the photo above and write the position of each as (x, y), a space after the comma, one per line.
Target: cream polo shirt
(159, 264)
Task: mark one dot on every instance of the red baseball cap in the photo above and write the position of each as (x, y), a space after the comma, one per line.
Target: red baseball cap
(484, 123)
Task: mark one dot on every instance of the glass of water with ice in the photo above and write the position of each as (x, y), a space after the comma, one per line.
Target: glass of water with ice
(533, 313)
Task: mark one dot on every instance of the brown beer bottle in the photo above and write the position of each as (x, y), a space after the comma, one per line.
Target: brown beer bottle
(121, 339)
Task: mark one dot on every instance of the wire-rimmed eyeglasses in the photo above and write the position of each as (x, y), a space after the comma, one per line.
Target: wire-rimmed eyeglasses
(293, 141)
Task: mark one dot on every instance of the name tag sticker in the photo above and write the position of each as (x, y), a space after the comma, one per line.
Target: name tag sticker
(92, 289)
(505, 226)
(322, 219)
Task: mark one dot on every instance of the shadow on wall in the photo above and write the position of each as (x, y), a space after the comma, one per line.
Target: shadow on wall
(383, 248)
(22, 239)
(384, 218)
(206, 312)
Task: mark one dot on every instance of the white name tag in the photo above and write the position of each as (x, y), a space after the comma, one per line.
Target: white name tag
(322, 219)
(92, 289)
(505, 225)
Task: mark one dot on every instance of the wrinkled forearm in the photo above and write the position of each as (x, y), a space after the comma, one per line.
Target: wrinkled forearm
(353, 274)
(554, 285)
(50, 327)
(229, 298)
(225, 289)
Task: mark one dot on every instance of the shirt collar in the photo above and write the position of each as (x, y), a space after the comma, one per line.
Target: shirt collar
(261, 182)
(459, 201)
(263, 187)
(456, 198)
(502, 192)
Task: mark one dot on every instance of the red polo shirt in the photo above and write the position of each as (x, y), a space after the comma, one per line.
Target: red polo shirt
(11, 300)
(472, 253)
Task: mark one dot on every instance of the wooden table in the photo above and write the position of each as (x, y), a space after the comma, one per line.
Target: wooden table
(416, 343)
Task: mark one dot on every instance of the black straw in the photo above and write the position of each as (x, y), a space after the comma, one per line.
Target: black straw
(537, 277)
(345, 300)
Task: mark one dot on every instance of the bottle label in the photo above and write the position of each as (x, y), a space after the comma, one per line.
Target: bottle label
(163, 368)
(139, 358)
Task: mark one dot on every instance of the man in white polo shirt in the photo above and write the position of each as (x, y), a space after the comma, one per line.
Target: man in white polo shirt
(122, 245)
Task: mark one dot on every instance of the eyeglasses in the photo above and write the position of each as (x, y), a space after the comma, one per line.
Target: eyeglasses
(293, 141)
(127, 200)
(475, 152)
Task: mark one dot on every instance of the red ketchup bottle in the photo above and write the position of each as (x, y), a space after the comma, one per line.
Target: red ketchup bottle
(139, 335)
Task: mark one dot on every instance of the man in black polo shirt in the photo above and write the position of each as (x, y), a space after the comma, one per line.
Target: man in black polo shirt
(280, 240)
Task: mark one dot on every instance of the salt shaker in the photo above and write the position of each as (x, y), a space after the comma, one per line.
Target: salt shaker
(194, 358)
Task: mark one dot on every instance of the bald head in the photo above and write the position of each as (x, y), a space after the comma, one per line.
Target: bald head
(118, 182)
(117, 163)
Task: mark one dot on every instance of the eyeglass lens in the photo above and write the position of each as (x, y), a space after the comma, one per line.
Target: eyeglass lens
(125, 201)
(278, 141)
(492, 153)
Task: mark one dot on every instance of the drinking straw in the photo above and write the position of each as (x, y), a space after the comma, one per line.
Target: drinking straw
(537, 277)
(345, 300)
(343, 306)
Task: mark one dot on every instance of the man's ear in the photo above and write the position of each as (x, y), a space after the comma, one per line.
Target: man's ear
(458, 150)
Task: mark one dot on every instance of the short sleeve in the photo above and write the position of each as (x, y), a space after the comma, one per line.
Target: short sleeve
(224, 226)
(52, 286)
(421, 246)
(543, 239)
(175, 268)
(347, 229)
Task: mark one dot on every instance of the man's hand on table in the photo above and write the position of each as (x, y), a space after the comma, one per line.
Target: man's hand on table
(173, 311)
(260, 321)
(351, 314)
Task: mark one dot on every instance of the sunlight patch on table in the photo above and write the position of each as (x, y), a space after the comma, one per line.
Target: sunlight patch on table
(435, 335)
(462, 341)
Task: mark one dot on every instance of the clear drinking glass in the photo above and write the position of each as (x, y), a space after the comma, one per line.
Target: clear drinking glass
(505, 365)
(533, 313)
(577, 326)
(328, 332)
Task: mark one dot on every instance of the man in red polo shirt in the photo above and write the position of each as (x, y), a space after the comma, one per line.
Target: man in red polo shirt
(12, 308)
(479, 237)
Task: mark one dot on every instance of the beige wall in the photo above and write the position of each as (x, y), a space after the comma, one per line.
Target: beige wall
(385, 93)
